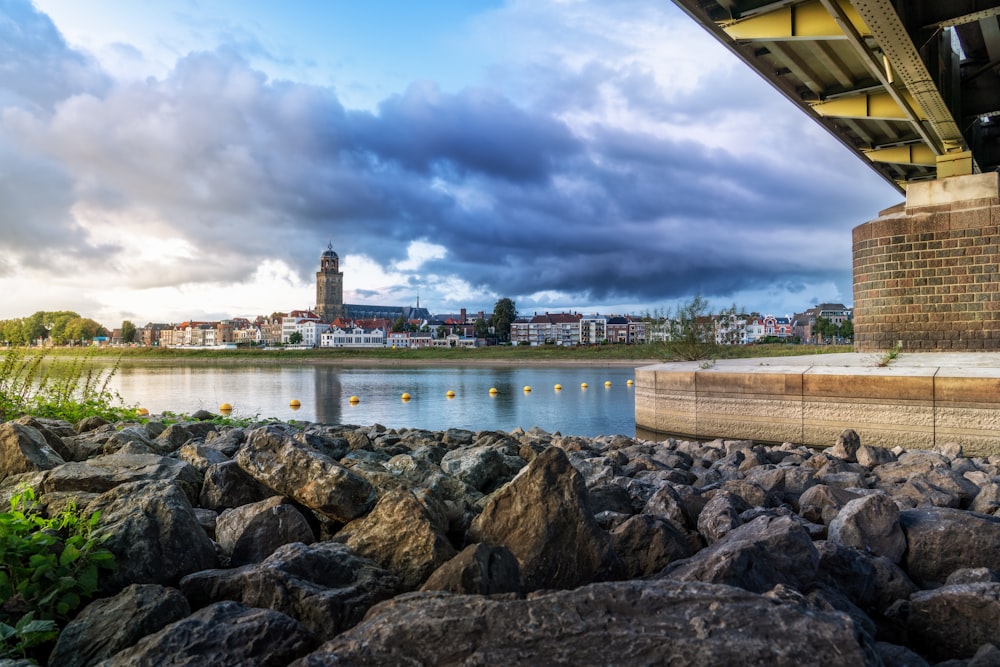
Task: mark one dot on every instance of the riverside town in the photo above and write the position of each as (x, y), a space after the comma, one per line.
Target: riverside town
(334, 324)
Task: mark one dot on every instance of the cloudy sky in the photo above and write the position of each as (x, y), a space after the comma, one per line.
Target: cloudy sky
(192, 159)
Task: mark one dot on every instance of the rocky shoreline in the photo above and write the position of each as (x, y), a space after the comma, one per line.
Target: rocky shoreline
(313, 545)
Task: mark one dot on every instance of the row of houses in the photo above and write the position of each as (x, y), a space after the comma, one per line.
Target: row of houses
(571, 329)
(746, 329)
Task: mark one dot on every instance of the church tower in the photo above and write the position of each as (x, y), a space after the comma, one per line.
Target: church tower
(329, 286)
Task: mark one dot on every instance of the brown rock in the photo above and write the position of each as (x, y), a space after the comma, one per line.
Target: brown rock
(870, 523)
(478, 569)
(251, 533)
(941, 540)
(955, 621)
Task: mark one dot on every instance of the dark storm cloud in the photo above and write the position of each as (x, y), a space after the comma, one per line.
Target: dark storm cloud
(246, 169)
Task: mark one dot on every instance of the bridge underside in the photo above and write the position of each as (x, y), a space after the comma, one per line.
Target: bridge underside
(911, 86)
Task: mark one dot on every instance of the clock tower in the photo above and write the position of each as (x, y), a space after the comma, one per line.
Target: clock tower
(329, 286)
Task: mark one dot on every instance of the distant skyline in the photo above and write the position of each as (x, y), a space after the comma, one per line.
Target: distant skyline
(189, 160)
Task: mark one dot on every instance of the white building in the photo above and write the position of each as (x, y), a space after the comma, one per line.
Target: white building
(356, 337)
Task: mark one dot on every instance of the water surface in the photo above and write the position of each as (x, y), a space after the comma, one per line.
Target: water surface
(324, 393)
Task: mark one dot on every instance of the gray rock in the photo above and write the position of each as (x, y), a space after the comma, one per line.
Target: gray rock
(610, 498)
(478, 569)
(177, 435)
(89, 424)
(251, 533)
(402, 535)
(891, 584)
(721, 515)
(201, 456)
(544, 517)
(870, 457)
(987, 501)
(972, 575)
(154, 534)
(305, 475)
(668, 504)
(107, 626)
(482, 468)
(954, 621)
(24, 449)
(870, 523)
(757, 556)
(848, 571)
(325, 586)
(821, 503)
(225, 634)
(893, 655)
(135, 437)
(53, 431)
(103, 473)
(941, 540)
(846, 447)
(647, 544)
(226, 485)
(632, 622)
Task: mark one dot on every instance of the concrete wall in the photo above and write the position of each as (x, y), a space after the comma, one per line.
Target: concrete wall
(768, 402)
(925, 273)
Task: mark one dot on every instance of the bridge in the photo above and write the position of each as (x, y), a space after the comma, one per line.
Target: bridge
(911, 86)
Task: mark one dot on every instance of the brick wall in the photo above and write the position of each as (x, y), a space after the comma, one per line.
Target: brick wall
(927, 276)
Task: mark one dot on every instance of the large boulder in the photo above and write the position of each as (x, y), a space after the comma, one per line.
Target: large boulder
(251, 533)
(821, 503)
(154, 534)
(103, 473)
(53, 430)
(721, 515)
(226, 485)
(941, 540)
(478, 569)
(325, 586)
(631, 622)
(647, 544)
(757, 556)
(955, 621)
(24, 449)
(109, 625)
(403, 535)
(870, 523)
(305, 474)
(544, 517)
(225, 634)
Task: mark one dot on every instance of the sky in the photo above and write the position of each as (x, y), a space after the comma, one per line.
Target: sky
(166, 161)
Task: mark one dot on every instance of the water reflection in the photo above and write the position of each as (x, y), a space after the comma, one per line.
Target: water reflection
(324, 392)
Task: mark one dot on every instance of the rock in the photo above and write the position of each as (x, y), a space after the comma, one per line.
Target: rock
(226, 485)
(88, 424)
(305, 475)
(482, 468)
(941, 540)
(666, 503)
(632, 622)
(53, 431)
(721, 515)
(103, 473)
(972, 575)
(251, 533)
(478, 569)
(757, 556)
(107, 626)
(870, 457)
(647, 544)
(870, 523)
(891, 584)
(154, 534)
(846, 447)
(325, 586)
(893, 655)
(401, 535)
(225, 634)
(821, 503)
(177, 435)
(610, 498)
(24, 449)
(848, 571)
(136, 438)
(955, 621)
(987, 501)
(544, 517)
(201, 456)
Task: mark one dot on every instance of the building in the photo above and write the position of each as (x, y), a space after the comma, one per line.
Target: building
(353, 337)
(330, 297)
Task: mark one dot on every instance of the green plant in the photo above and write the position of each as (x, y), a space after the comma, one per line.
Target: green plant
(68, 387)
(891, 355)
(48, 566)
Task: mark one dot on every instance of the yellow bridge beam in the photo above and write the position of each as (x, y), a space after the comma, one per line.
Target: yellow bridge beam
(878, 105)
(809, 20)
(915, 154)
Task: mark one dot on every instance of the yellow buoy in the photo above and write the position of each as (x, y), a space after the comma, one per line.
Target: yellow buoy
(225, 407)
(493, 390)
(583, 385)
(354, 399)
(294, 404)
(527, 389)
(558, 387)
(629, 382)
(405, 396)
(450, 394)
(142, 412)
(607, 383)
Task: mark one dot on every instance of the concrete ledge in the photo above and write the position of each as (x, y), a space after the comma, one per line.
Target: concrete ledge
(919, 400)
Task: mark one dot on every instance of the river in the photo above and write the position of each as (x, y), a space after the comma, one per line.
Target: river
(325, 393)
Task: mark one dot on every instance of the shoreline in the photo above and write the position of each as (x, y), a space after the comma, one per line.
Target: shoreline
(377, 362)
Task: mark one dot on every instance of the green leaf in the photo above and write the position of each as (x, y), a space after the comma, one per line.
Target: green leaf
(69, 555)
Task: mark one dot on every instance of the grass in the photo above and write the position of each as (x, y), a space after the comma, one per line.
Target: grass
(68, 386)
(651, 352)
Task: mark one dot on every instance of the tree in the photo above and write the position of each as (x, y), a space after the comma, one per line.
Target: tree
(399, 325)
(482, 329)
(128, 332)
(692, 331)
(504, 313)
(295, 337)
(846, 329)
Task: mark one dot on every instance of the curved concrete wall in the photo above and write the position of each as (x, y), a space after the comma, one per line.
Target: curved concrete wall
(926, 274)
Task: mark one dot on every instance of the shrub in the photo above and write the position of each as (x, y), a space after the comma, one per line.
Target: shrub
(48, 567)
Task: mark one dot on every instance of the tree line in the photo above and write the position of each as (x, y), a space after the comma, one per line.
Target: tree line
(61, 327)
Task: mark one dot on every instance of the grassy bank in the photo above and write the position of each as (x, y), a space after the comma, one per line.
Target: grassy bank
(602, 354)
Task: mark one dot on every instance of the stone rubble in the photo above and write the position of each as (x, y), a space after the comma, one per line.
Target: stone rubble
(318, 544)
